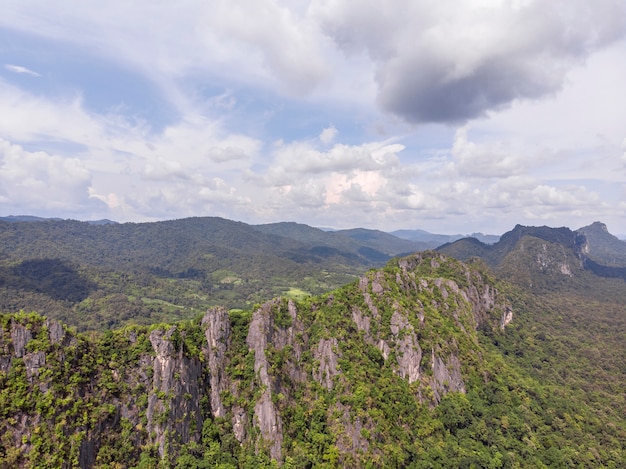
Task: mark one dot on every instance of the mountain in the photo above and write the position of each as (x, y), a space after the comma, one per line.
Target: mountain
(97, 275)
(544, 255)
(602, 247)
(379, 240)
(435, 240)
(427, 362)
(26, 218)
(375, 246)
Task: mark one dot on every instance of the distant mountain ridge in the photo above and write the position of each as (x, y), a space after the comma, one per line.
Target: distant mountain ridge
(603, 247)
(548, 256)
(31, 218)
(174, 268)
(435, 240)
(419, 240)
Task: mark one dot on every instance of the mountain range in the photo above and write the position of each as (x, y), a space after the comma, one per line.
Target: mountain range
(508, 354)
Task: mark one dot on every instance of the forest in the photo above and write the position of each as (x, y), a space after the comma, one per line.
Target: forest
(426, 361)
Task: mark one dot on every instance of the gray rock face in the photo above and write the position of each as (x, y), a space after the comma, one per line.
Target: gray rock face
(446, 376)
(217, 332)
(266, 416)
(326, 354)
(173, 402)
(33, 362)
(55, 331)
(408, 350)
(20, 336)
(350, 438)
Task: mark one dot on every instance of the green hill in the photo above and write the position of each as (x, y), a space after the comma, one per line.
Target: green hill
(427, 362)
(602, 246)
(98, 275)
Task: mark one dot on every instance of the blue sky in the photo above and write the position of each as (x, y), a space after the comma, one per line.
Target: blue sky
(453, 117)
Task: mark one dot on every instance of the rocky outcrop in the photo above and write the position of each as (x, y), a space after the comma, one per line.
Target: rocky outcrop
(173, 401)
(20, 336)
(162, 385)
(408, 350)
(217, 333)
(266, 416)
(446, 376)
(326, 354)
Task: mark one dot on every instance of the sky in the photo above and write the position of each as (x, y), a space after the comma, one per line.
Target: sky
(443, 115)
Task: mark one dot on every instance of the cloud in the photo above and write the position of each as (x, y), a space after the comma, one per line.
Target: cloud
(301, 157)
(487, 160)
(328, 134)
(450, 62)
(257, 42)
(20, 69)
(540, 82)
(37, 182)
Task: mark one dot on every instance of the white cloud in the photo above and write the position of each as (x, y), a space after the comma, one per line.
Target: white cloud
(255, 42)
(39, 182)
(20, 69)
(303, 158)
(328, 134)
(541, 84)
(487, 160)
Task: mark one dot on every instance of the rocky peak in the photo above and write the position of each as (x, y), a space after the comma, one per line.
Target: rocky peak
(217, 333)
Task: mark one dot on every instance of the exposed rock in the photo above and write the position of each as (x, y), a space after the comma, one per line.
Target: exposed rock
(327, 356)
(362, 321)
(349, 438)
(266, 416)
(408, 350)
(377, 283)
(5, 363)
(240, 419)
(446, 376)
(173, 403)
(370, 304)
(507, 317)
(55, 331)
(20, 336)
(33, 361)
(217, 332)
(384, 348)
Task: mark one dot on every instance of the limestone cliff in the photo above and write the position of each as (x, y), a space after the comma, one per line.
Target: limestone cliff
(291, 372)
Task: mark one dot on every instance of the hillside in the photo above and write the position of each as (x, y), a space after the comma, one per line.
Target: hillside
(373, 245)
(96, 275)
(602, 246)
(518, 258)
(433, 240)
(427, 362)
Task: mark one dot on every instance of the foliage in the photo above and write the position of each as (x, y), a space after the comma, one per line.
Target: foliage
(546, 391)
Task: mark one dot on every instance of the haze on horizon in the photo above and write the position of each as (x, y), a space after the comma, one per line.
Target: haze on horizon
(452, 117)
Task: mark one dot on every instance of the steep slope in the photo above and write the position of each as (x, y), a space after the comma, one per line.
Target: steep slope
(385, 242)
(548, 255)
(602, 247)
(146, 272)
(333, 242)
(399, 369)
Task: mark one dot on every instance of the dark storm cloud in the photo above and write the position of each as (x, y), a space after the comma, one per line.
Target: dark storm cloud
(452, 61)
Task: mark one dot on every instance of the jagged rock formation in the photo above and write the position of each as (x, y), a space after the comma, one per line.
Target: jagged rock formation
(539, 257)
(161, 390)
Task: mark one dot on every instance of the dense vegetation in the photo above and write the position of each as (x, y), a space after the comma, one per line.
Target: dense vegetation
(97, 276)
(514, 359)
(545, 391)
